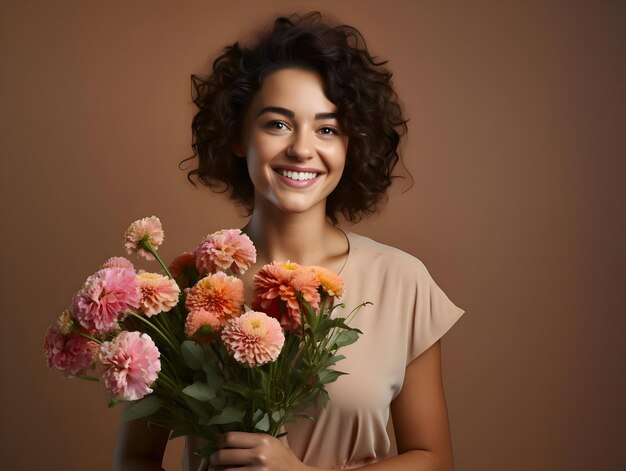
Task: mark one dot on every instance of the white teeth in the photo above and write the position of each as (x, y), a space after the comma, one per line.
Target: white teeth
(298, 175)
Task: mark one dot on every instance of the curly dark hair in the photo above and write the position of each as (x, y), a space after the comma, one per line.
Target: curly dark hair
(367, 108)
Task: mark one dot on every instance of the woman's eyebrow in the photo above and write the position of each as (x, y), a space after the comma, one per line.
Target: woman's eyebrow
(291, 114)
(279, 110)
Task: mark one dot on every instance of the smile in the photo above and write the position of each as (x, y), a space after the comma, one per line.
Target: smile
(299, 176)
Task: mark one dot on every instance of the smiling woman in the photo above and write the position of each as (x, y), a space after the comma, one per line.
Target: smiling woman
(294, 151)
(302, 126)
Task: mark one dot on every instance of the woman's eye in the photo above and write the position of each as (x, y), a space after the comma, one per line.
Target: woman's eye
(278, 125)
(328, 131)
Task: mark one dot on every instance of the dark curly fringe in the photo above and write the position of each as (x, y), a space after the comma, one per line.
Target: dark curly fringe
(367, 107)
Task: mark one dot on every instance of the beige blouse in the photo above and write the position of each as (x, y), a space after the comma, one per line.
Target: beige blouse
(409, 314)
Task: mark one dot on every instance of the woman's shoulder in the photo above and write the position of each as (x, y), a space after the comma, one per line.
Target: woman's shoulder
(367, 252)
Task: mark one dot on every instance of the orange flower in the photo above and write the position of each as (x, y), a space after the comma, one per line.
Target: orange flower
(219, 294)
(277, 287)
(330, 282)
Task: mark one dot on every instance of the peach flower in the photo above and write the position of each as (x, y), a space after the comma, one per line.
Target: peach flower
(131, 364)
(253, 338)
(219, 294)
(198, 319)
(146, 229)
(158, 293)
(277, 287)
(228, 249)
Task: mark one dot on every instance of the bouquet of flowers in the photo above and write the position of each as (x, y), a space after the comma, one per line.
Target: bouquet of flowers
(184, 350)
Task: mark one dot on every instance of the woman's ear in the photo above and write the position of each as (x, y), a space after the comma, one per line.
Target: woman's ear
(238, 149)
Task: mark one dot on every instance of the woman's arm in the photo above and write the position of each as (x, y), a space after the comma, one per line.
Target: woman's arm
(420, 419)
(139, 447)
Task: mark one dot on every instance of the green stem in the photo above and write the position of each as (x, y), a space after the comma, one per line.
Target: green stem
(157, 330)
(88, 378)
(87, 336)
(148, 246)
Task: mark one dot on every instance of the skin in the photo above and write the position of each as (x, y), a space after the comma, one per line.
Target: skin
(290, 123)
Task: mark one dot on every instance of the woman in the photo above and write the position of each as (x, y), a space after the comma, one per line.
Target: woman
(299, 127)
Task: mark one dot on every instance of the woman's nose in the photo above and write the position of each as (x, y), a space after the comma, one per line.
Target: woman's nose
(301, 147)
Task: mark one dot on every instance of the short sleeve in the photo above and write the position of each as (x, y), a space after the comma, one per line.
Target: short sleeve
(433, 314)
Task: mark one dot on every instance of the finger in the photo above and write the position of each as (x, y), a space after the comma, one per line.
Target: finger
(231, 456)
(239, 440)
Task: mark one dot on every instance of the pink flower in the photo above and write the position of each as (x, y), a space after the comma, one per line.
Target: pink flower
(277, 287)
(330, 282)
(253, 338)
(223, 250)
(198, 319)
(118, 262)
(158, 293)
(104, 297)
(131, 364)
(70, 353)
(219, 294)
(183, 269)
(144, 230)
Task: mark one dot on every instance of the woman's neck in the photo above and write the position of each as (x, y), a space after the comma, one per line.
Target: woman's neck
(306, 238)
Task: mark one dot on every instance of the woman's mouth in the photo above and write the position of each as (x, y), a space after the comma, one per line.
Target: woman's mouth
(298, 175)
(297, 178)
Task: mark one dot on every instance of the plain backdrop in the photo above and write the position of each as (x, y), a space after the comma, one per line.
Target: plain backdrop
(517, 149)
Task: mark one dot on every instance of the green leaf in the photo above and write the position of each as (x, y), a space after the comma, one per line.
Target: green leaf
(200, 391)
(264, 424)
(334, 359)
(347, 337)
(278, 415)
(328, 376)
(218, 402)
(214, 377)
(239, 389)
(193, 354)
(141, 408)
(227, 416)
(199, 408)
(325, 398)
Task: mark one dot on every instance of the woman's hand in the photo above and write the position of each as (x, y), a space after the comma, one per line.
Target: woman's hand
(253, 451)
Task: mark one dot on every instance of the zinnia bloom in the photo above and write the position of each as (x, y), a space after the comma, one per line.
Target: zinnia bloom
(198, 319)
(253, 338)
(158, 293)
(70, 353)
(104, 297)
(146, 229)
(223, 250)
(183, 269)
(118, 262)
(219, 294)
(131, 364)
(277, 286)
(330, 281)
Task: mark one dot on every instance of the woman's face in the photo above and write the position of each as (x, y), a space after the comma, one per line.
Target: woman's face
(292, 143)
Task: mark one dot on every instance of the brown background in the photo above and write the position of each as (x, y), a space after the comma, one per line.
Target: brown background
(516, 145)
